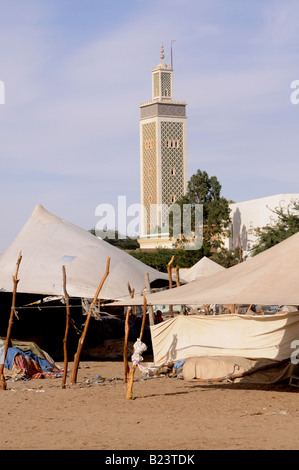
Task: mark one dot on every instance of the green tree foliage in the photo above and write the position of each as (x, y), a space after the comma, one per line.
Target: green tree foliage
(115, 239)
(206, 191)
(287, 224)
(159, 258)
(227, 258)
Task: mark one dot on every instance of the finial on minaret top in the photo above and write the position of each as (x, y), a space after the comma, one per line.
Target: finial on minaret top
(162, 52)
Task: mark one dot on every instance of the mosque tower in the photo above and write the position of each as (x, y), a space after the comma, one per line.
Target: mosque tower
(163, 156)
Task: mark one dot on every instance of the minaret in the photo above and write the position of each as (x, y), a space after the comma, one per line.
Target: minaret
(163, 156)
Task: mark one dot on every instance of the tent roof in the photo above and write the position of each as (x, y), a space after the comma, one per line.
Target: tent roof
(48, 242)
(269, 278)
(203, 268)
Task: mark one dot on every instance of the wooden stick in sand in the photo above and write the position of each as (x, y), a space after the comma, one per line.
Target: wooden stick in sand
(170, 282)
(129, 395)
(81, 340)
(127, 329)
(3, 385)
(66, 296)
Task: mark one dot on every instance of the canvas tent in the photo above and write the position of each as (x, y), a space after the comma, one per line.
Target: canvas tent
(254, 337)
(205, 267)
(269, 278)
(234, 348)
(211, 346)
(48, 242)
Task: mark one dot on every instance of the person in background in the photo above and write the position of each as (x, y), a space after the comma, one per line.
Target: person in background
(158, 316)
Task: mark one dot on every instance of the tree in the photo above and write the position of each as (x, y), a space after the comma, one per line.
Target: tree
(204, 190)
(115, 239)
(227, 258)
(287, 224)
(160, 257)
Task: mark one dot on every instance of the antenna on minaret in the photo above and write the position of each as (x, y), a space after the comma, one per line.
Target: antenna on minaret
(173, 41)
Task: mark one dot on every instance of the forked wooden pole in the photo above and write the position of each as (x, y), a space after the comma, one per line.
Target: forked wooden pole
(170, 282)
(127, 329)
(129, 395)
(66, 296)
(81, 340)
(3, 385)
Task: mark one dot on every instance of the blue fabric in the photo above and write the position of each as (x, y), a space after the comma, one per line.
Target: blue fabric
(177, 365)
(11, 352)
(10, 355)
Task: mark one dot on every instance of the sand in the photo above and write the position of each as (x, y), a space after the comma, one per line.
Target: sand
(165, 414)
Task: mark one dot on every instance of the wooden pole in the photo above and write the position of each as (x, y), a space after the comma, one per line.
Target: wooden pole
(81, 340)
(169, 272)
(129, 395)
(66, 296)
(170, 282)
(3, 385)
(127, 329)
(150, 307)
(177, 272)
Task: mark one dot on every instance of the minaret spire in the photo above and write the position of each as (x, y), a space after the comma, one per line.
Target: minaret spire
(162, 52)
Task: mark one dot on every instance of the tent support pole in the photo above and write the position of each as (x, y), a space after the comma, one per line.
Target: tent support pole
(81, 340)
(3, 385)
(177, 272)
(127, 329)
(66, 296)
(150, 308)
(129, 395)
(170, 282)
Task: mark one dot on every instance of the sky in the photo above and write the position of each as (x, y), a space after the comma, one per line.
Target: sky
(75, 72)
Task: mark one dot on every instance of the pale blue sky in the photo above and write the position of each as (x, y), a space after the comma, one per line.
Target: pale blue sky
(75, 73)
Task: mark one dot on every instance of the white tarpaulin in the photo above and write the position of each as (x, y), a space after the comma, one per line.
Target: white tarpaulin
(236, 369)
(48, 242)
(270, 278)
(205, 267)
(249, 336)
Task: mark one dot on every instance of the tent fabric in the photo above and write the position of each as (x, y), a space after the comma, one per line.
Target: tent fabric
(269, 278)
(236, 369)
(249, 336)
(48, 242)
(205, 267)
(25, 364)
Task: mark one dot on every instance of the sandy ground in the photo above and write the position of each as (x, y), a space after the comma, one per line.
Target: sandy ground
(165, 414)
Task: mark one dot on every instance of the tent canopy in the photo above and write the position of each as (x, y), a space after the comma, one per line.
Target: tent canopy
(48, 242)
(269, 278)
(205, 267)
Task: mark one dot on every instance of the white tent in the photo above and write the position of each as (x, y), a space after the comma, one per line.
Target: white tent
(254, 337)
(270, 278)
(48, 242)
(205, 267)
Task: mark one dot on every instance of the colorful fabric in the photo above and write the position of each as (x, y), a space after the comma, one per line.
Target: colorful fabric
(27, 365)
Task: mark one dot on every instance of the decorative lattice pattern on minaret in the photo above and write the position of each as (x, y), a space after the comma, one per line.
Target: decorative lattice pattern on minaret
(166, 84)
(149, 176)
(156, 85)
(172, 161)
